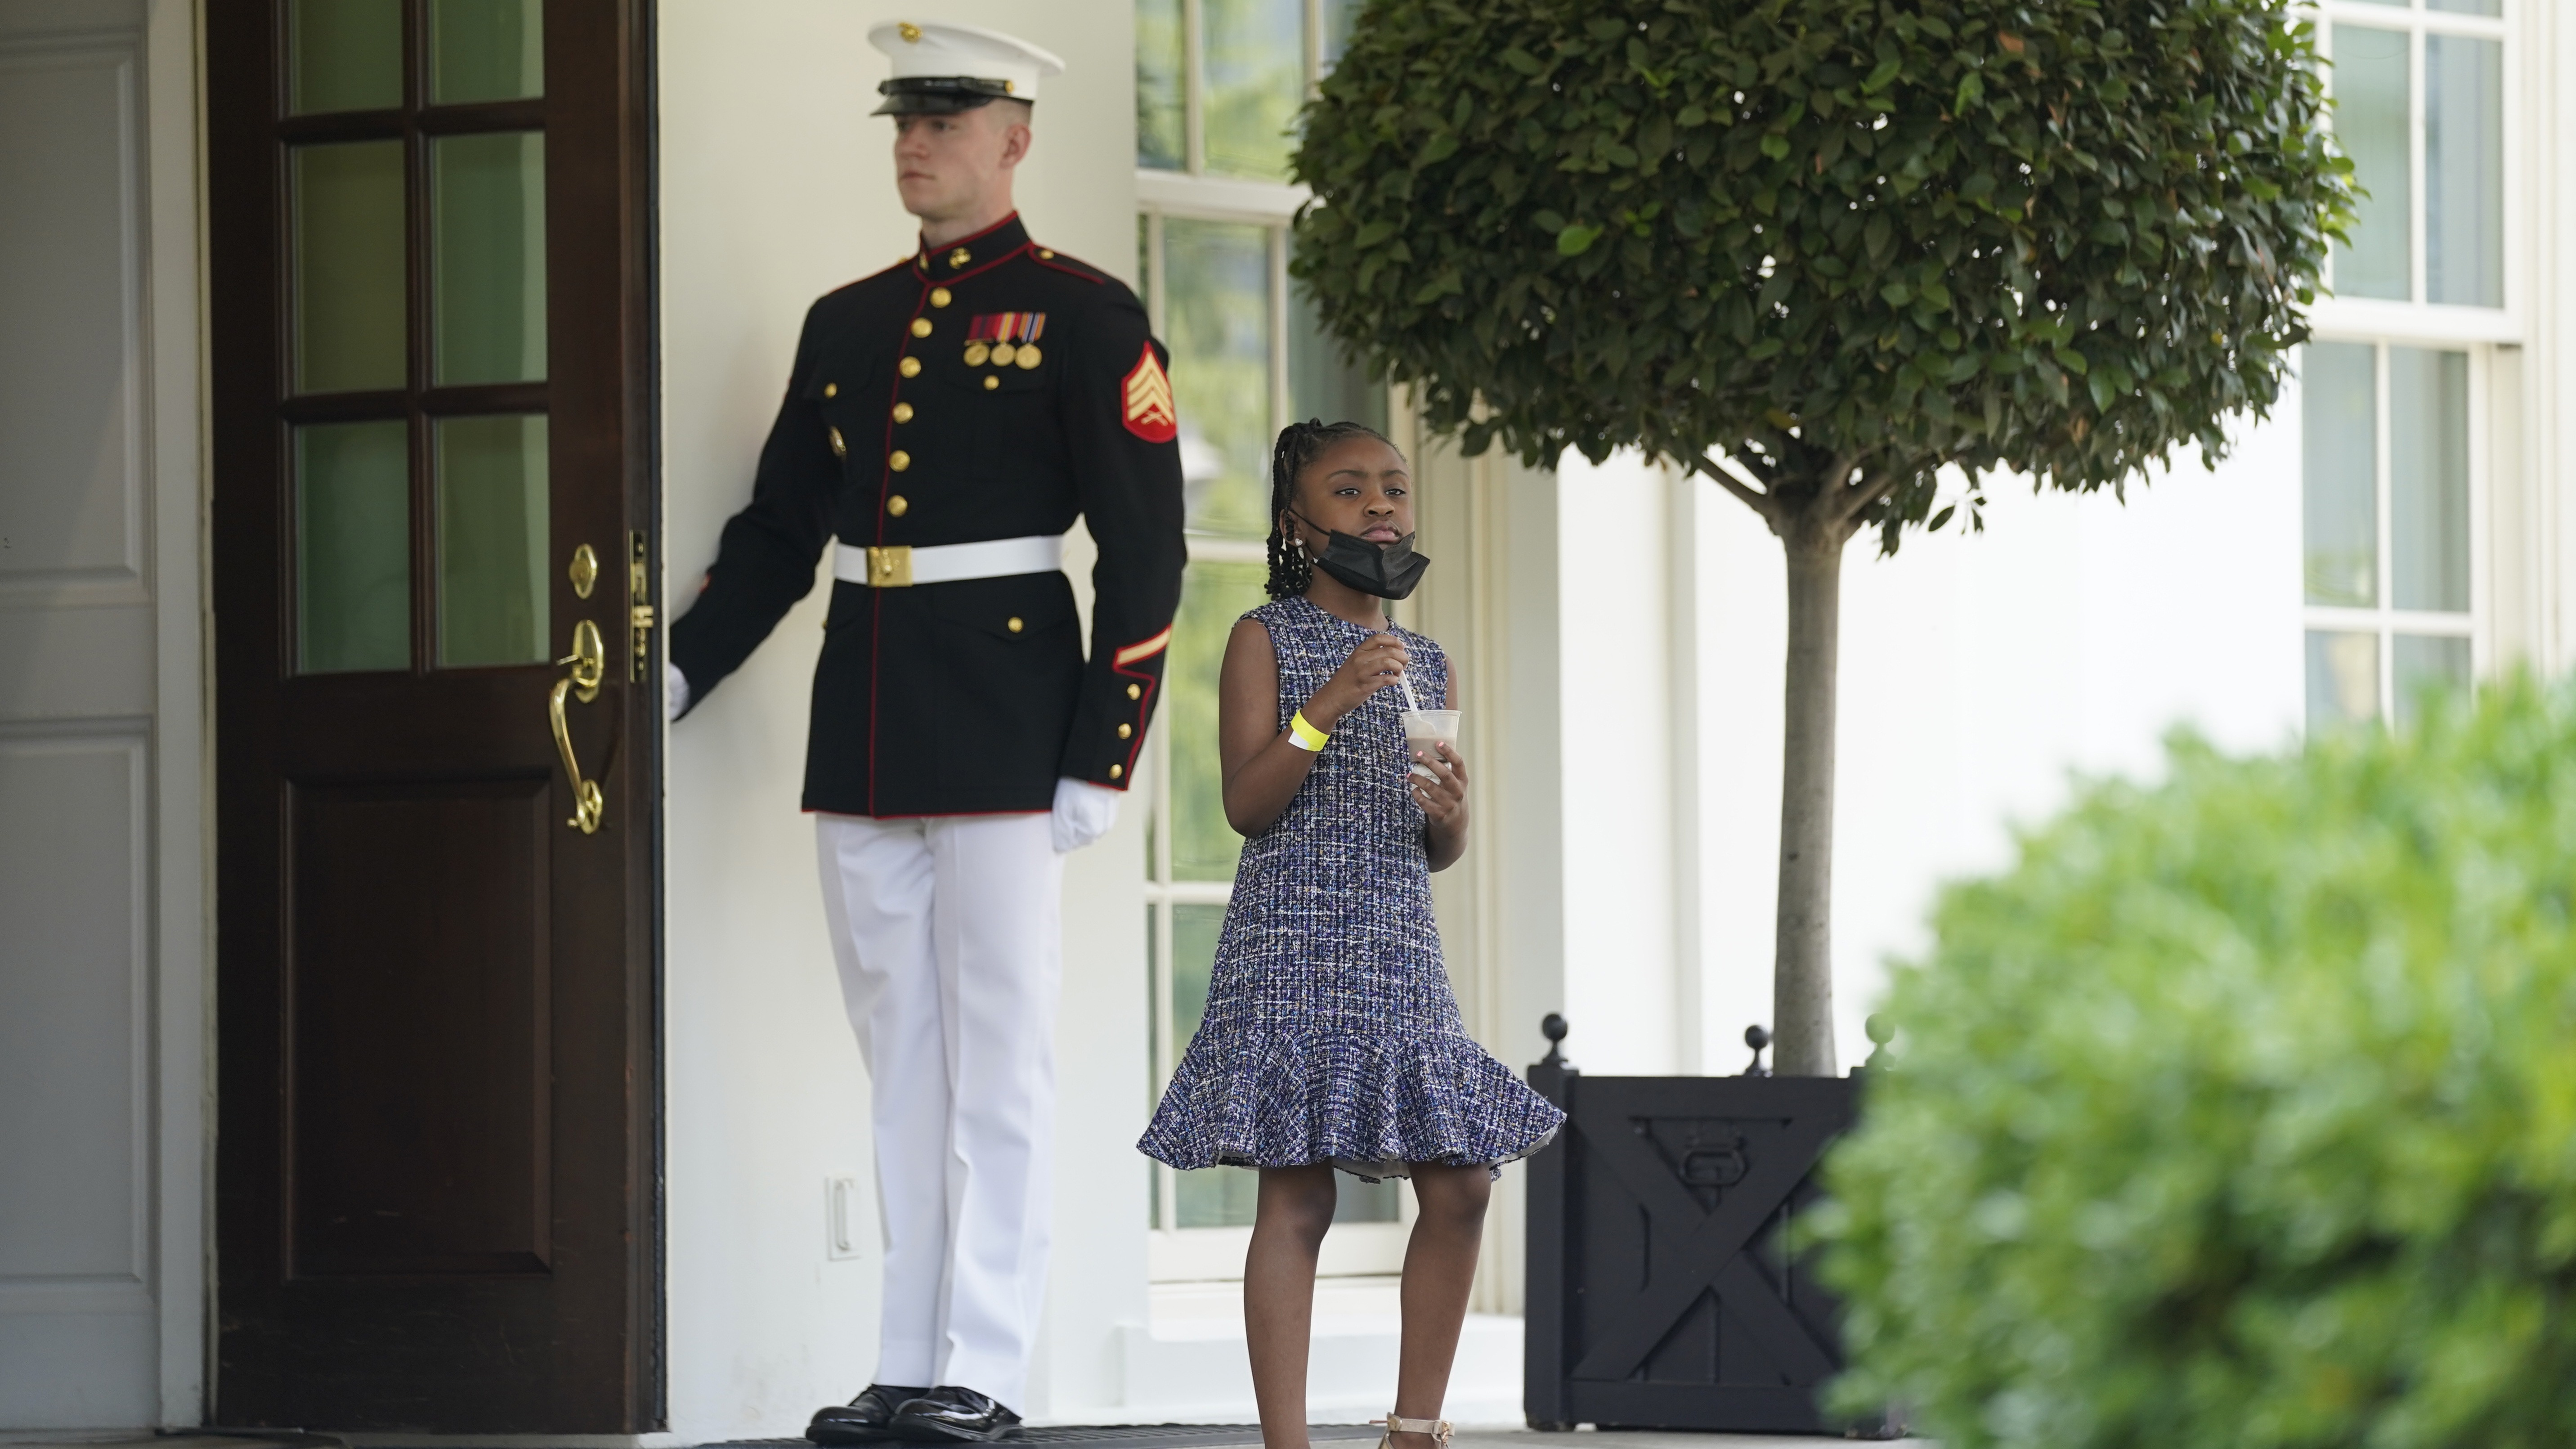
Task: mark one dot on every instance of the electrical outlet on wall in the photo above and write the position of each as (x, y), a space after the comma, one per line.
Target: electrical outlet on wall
(841, 1215)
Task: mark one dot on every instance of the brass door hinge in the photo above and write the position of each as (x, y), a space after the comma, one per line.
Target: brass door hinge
(640, 611)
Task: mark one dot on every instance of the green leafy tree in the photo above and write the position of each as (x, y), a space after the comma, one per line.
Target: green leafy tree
(1816, 250)
(2239, 1113)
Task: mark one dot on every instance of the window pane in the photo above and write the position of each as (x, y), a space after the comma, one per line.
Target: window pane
(1365, 1202)
(1161, 56)
(1256, 78)
(2467, 7)
(1320, 383)
(352, 547)
(2425, 664)
(2339, 472)
(1339, 17)
(488, 256)
(349, 329)
(2428, 478)
(2370, 121)
(1213, 596)
(492, 540)
(2343, 678)
(1194, 932)
(343, 55)
(1216, 303)
(486, 50)
(2464, 171)
(1217, 1197)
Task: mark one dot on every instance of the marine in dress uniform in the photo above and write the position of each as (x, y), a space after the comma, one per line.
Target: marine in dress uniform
(945, 422)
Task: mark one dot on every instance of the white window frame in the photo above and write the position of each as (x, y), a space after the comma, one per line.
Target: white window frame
(2386, 621)
(2418, 322)
(1203, 1254)
(2476, 331)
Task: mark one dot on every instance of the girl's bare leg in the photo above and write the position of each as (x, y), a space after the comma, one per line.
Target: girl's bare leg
(1296, 1206)
(1439, 1266)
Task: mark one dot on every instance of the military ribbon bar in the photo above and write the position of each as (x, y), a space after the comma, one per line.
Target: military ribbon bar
(1015, 328)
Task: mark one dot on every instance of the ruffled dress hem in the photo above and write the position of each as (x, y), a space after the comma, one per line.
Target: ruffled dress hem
(1372, 1107)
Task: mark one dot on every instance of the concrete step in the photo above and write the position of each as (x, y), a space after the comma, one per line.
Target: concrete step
(1188, 1365)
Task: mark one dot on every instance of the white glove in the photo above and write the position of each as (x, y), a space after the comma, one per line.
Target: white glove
(675, 691)
(1083, 813)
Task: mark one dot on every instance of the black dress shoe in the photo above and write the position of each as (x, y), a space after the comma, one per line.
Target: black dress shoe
(952, 1415)
(866, 1419)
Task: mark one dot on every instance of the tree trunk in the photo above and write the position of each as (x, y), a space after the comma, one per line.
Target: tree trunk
(1802, 977)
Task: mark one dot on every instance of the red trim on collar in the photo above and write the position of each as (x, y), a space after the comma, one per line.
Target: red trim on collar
(921, 250)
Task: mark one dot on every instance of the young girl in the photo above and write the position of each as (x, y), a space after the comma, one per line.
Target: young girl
(1331, 1038)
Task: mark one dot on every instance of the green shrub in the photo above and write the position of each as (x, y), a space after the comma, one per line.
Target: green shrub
(2241, 1111)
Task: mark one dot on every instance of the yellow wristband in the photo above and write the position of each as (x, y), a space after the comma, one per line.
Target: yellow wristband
(1305, 736)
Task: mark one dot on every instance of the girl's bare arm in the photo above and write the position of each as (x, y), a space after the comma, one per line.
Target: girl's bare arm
(1262, 769)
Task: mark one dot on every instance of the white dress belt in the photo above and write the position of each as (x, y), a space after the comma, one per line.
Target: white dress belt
(899, 566)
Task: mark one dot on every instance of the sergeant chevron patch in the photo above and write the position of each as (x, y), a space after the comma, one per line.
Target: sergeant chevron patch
(1148, 394)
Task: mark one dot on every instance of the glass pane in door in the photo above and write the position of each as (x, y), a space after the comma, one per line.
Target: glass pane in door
(1213, 596)
(350, 333)
(352, 547)
(343, 55)
(2428, 478)
(1216, 301)
(488, 257)
(486, 50)
(2370, 121)
(2464, 171)
(2339, 401)
(1255, 61)
(493, 553)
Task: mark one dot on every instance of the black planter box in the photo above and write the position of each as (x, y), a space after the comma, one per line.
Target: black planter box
(1664, 1288)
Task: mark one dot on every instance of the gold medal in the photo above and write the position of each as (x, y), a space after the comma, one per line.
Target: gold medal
(1002, 354)
(975, 354)
(1029, 356)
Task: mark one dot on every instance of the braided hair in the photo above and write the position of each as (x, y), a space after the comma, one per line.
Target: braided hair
(1291, 567)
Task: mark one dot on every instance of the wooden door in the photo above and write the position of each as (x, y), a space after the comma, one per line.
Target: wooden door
(432, 410)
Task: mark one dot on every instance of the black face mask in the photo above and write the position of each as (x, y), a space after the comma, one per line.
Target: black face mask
(1387, 570)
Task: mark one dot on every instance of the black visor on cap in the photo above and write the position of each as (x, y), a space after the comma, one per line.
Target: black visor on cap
(939, 95)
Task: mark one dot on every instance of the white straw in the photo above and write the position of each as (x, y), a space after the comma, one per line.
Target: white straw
(1405, 679)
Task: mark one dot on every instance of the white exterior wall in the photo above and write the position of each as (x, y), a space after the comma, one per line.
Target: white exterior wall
(776, 186)
(1978, 671)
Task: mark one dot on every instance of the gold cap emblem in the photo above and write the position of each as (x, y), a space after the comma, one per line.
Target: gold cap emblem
(910, 32)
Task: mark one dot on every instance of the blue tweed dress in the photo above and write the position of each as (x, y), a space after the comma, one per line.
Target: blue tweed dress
(1331, 1033)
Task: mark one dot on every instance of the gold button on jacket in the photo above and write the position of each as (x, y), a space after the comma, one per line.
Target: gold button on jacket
(967, 695)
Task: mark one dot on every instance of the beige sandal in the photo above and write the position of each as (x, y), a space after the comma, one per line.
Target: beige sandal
(1438, 1429)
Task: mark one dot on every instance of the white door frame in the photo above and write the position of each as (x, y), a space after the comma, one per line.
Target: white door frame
(150, 690)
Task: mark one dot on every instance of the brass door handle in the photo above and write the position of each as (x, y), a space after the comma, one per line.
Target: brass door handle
(589, 661)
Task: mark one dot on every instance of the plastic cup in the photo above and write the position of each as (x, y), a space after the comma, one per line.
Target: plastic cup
(1424, 728)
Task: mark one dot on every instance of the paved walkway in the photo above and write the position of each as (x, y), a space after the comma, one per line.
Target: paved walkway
(1157, 1436)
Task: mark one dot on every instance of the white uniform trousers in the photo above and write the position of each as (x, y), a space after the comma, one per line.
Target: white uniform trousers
(946, 928)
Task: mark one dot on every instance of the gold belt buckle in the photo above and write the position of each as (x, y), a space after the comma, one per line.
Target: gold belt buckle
(890, 567)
